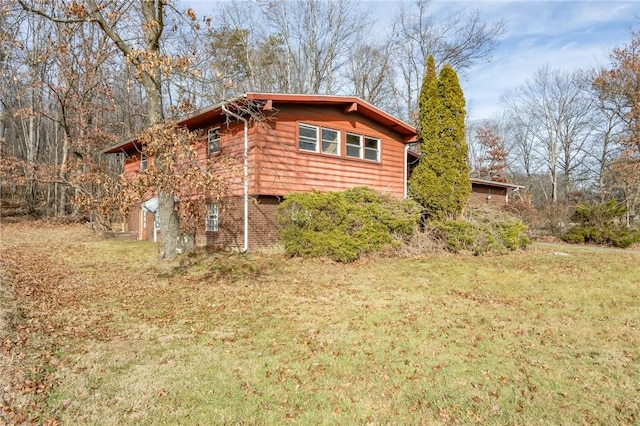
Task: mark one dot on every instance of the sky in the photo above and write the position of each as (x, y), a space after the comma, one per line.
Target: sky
(564, 34)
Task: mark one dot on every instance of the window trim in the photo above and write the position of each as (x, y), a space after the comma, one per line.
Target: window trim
(212, 218)
(377, 149)
(347, 145)
(317, 141)
(337, 141)
(211, 133)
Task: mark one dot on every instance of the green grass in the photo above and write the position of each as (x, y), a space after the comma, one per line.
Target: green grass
(529, 338)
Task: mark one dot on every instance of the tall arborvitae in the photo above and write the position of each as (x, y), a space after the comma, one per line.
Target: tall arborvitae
(440, 182)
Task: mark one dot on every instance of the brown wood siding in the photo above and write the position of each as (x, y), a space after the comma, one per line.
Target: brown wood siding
(229, 158)
(480, 195)
(282, 168)
(231, 154)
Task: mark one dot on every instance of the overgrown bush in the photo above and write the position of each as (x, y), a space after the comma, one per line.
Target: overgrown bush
(603, 224)
(344, 225)
(481, 231)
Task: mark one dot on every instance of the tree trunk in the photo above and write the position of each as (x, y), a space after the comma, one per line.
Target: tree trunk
(172, 240)
(31, 151)
(62, 200)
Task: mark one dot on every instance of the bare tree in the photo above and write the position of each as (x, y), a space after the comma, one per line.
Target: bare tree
(317, 36)
(554, 111)
(136, 28)
(371, 74)
(492, 163)
(618, 89)
(460, 39)
(25, 99)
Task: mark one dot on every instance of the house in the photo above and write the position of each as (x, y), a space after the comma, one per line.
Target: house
(301, 143)
(288, 143)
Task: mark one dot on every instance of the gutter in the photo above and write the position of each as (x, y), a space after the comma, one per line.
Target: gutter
(245, 189)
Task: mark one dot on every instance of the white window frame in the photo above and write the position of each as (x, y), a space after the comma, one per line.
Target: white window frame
(144, 161)
(307, 139)
(368, 150)
(330, 142)
(212, 220)
(213, 141)
(348, 145)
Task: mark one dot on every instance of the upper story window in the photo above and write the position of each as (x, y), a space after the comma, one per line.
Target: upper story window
(371, 148)
(307, 137)
(144, 162)
(330, 141)
(317, 139)
(354, 145)
(213, 141)
(327, 141)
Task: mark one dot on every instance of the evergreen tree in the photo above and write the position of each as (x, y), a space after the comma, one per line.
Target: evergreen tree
(440, 182)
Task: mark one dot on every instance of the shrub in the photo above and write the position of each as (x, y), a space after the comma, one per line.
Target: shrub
(482, 231)
(601, 224)
(344, 225)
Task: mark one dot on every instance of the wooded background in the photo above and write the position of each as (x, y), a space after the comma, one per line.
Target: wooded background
(68, 89)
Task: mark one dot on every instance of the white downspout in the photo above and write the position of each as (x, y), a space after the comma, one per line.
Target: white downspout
(406, 172)
(245, 189)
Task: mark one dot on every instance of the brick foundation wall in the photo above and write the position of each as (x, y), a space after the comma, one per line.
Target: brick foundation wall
(263, 227)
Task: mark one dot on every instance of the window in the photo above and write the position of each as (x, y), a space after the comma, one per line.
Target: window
(330, 142)
(354, 145)
(212, 218)
(213, 141)
(308, 137)
(371, 148)
(327, 141)
(143, 161)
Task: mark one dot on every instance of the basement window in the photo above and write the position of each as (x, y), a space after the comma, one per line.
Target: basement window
(143, 161)
(212, 218)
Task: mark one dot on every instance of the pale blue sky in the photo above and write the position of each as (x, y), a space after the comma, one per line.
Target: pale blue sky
(565, 34)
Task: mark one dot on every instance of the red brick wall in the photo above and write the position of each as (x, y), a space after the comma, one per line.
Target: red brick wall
(263, 228)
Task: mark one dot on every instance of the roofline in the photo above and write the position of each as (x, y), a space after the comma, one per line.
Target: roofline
(499, 184)
(120, 146)
(302, 98)
(408, 132)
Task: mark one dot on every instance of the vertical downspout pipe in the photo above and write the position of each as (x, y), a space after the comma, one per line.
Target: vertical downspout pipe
(245, 166)
(406, 172)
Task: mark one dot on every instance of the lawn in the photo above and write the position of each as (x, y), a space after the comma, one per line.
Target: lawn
(102, 333)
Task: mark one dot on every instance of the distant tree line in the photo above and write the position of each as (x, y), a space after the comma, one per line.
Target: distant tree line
(570, 137)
